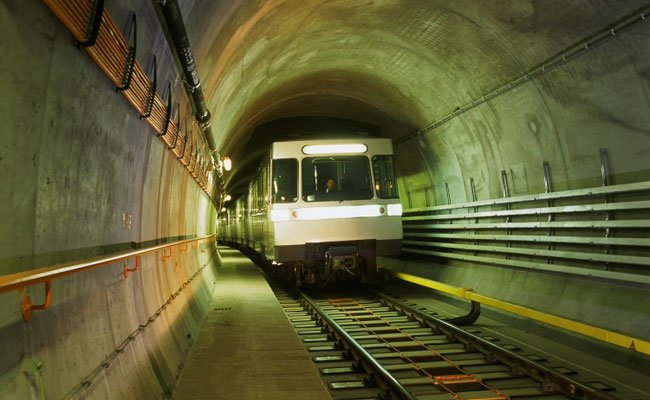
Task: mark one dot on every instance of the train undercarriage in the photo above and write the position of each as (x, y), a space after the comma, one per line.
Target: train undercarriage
(333, 263)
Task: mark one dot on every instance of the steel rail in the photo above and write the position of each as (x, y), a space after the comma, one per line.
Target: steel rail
(551, 380)
(380, 372)
(46, 274)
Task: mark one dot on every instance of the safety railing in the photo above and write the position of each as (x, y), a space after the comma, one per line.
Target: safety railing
(597, 232)
(115, 54)
(45, 275)
(615, 338)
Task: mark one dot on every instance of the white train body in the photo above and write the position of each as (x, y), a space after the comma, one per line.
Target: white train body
(293, 216)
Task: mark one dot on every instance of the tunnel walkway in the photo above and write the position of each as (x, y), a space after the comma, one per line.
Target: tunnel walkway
(246, 348)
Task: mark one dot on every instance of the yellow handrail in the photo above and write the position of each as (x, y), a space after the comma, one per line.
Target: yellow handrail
(48, 274)
(632, 343)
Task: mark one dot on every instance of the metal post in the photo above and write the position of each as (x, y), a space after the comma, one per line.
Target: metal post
(547, 189)
(547, 177)
(504, 182)
(604, 174)
(448, 195)
(604, 167)
(506, 193)
(473, 190)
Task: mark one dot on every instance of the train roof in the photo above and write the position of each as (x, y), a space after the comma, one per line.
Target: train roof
(294, 148)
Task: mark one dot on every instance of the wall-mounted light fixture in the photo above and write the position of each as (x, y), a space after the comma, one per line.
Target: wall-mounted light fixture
(227, 163)
(223, 164)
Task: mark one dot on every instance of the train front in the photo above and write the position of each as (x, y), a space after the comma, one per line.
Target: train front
(335, 207)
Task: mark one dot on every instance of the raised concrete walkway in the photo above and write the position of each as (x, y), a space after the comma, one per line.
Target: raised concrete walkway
(246, 348)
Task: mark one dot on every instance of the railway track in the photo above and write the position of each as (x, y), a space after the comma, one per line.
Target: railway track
(377, 346)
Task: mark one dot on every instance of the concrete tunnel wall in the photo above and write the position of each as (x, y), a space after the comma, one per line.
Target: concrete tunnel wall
(82, 175)
(597, 100)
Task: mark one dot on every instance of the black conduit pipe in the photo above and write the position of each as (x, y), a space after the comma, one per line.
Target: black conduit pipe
(171, 13)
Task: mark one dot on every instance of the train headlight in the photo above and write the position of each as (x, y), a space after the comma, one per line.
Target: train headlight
(395, 210)
(280, 215)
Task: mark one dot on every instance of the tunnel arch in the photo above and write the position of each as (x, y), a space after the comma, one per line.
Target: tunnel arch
(84, 176)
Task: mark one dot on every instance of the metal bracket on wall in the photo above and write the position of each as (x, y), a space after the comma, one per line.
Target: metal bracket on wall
(604, 173)
(547, 177)
(604, 167)
(167, 96)
(504, 183)
(126, 268)
(166, 256)
(186, 138)
(152, 74)
(551, 216)
(506, 194)
(27, 308)
(178, 131)
(94, 21)
(130, 34)
(193, 155)
(187, 142)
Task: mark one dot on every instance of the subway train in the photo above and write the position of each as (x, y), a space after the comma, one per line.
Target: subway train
(320, 211)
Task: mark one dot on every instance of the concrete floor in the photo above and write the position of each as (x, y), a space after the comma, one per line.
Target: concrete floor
(246, 348)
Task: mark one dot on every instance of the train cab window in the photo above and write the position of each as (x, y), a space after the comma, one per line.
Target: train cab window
(285, 180)
(384, 170)
(336, 178)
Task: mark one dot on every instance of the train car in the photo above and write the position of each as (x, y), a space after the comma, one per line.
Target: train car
(320, 210)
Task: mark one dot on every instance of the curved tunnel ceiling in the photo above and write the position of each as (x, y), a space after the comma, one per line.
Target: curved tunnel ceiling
(399, 65)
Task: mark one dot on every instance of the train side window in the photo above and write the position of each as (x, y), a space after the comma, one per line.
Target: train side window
(285, 180)
(385, 184)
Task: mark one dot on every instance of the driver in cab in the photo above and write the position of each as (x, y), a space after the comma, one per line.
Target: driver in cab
(332, 193)
(330, 186)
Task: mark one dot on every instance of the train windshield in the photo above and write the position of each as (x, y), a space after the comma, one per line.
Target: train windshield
(285, 180)
(384, 170)
(336, 178)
